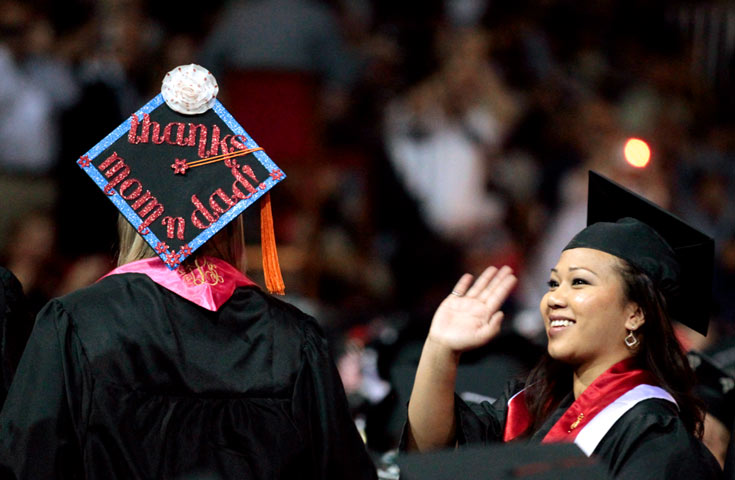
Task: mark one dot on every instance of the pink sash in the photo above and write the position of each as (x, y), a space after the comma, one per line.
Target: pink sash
(209, 282)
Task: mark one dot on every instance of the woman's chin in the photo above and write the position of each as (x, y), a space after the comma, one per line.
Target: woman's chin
(560, 353)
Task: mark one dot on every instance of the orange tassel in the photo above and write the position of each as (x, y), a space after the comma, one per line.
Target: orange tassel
(271, 267)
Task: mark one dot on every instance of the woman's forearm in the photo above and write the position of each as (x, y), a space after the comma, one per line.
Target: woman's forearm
(431, 422)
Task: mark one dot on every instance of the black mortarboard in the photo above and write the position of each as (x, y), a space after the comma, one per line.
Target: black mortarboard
(678, 258)
(714, 386)
(181, 168)
(549, 461)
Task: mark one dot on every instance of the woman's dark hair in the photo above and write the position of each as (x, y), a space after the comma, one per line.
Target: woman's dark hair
(660, 353)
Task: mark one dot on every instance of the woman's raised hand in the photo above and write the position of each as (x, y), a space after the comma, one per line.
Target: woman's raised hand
(470, 317)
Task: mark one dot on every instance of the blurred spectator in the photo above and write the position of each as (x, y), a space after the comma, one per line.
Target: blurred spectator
(716, 388)
(113, 49)
(441, 134)
(26, 100)
(28, 130)
(283, 36)
(30, 254)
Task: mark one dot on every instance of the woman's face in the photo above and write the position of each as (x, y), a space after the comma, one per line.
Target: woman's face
(585, 311)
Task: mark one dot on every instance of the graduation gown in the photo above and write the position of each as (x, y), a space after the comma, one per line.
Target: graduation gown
(126, 379)
(649, 440)
(15, 327)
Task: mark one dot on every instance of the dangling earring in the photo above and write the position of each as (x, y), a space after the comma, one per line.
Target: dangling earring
(630, 340)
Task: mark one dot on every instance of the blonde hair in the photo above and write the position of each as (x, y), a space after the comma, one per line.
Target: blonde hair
(228, 244)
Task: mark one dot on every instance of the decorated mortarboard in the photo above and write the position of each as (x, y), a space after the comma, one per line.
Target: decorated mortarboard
(677, 257)
(181, 168)
(714, 386)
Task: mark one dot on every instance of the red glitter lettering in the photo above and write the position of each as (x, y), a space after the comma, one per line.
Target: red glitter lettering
(156, 138)
(112, 165)
(179, 134)
(126, 185)
(145, 205)
(223, 144)
(144, 131)
(200, 208)
(238, 142)
(215, 142)
(201, 148)
(239, 178)
(174, 222)
(221, 195)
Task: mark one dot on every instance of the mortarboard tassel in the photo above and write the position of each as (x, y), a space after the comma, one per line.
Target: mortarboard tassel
(271, 267)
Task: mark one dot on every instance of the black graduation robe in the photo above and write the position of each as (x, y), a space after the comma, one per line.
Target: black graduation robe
(125, 379)
(15, 327)
(648, 442)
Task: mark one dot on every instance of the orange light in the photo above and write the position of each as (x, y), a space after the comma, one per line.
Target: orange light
(637, 152)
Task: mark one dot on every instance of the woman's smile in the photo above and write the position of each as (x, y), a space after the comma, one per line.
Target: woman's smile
(559, 324)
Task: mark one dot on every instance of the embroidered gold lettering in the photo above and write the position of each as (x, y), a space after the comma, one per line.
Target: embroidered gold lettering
(202, 272)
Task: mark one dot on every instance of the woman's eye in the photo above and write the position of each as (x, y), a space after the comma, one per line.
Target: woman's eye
(552, 283)
(580, 281)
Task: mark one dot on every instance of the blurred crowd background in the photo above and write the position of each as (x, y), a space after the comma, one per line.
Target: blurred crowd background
(421, 139)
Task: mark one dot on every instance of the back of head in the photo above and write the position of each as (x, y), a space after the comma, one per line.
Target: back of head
(228, 245)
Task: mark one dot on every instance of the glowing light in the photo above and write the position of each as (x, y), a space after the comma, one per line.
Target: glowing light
(637, 152)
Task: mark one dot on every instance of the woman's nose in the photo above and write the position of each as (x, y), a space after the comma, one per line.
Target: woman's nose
(556, 298)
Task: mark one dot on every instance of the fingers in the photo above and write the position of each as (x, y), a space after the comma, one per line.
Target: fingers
(492, 327)
(496, 280)
(482, 282)
(460, 288)
(498, 292)
(492, 287)
(496, 319)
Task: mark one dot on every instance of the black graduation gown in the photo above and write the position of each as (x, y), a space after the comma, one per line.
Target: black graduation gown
(125, 379)
(648, 442)
(15, 327)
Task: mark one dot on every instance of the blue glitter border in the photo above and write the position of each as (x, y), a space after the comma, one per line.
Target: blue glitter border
(135, 219)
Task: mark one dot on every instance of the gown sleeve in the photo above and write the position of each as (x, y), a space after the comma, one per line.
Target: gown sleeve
(650, 446)
(37, 437)
(15, 327)
(320, 400)
(476, 423)
(730, 458)
(483, 423)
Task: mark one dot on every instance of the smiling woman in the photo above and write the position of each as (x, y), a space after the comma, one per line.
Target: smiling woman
(614, 379)
(586, 313)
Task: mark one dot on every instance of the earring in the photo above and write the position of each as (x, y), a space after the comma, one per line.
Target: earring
(630, 340)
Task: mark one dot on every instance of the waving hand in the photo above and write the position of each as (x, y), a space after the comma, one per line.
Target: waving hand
(470, 316)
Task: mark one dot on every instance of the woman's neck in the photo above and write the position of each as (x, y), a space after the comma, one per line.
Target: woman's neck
(587, 373)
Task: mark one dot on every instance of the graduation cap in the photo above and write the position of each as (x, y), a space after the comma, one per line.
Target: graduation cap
(678, 258)
(548, 461)
(181, 168)
(714, 386)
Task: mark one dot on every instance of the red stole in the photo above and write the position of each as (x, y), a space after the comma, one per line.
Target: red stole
(609, 386)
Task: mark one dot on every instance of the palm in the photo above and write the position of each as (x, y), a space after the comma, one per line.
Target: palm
(471, 320)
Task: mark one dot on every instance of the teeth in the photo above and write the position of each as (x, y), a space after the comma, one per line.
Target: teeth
(561, 323)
